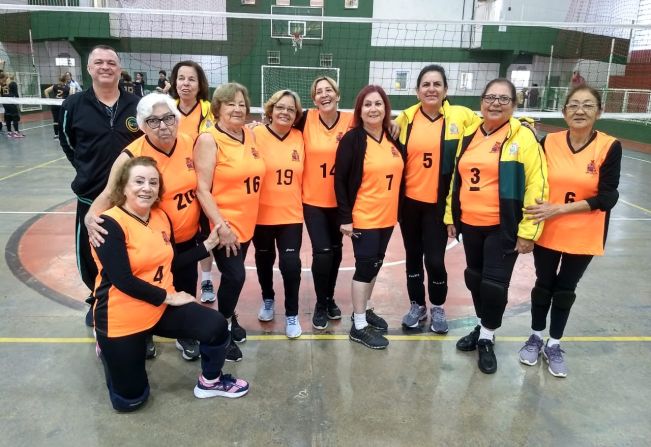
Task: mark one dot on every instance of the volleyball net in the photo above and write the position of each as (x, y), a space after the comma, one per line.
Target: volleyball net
(269, 45)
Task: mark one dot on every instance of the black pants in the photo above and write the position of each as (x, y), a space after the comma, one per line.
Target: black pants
(56, 110)
(124, 357)
(557, 275)
(487, 261)
(232, 278)
(323, 228)
(288, 239)
(185, 278)
(12, 116)
(425, 237)
(85, 262)
(369, 248)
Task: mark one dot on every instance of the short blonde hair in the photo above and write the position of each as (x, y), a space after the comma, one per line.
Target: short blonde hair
(225, 93)
(269, 105)
(330, 81)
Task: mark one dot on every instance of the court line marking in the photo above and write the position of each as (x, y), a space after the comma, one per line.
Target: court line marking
(631, 219)
(638, 159)
(39, 212)
(641, 208)
(309, 337)
(31, 169)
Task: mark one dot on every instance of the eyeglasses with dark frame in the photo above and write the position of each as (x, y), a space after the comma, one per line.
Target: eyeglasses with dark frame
(282, 109)
(154, 123)
(502, 100)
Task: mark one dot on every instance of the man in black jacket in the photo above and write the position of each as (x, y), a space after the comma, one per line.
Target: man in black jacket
(96, 125)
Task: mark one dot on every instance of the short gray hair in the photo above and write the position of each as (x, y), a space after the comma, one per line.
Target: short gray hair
(148, 102)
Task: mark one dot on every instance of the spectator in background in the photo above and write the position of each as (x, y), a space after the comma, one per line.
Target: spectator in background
(57, 91)
(163, 84)
(72, 84)
(139, 85)
(577, 80)
(9, 89)
(125, 83)
(533, 96)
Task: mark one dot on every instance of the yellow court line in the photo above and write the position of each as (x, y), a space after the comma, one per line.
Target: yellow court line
(31, 169)
(305, 337)
(641, 208)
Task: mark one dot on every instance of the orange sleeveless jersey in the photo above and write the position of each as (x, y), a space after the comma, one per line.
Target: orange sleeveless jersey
(376, 204)
(189, 124)
(280, 193)
(180, 182)
(423, 158)
(479, 171)
(239, 173)
(320, 150)
(150, 257)
(574, 177)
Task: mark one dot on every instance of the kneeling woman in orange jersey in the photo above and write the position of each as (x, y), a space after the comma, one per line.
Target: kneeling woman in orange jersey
(368, 177)
(135, 296)
(500, 169)
(584, 166)
(230, 170)
(280, 216)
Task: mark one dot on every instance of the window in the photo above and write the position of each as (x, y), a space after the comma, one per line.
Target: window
(465, 81)
(64, 62)
(282, 2)
(325, 60)
(248, 2)
(273, 57)
(400, 82)
(316, 2)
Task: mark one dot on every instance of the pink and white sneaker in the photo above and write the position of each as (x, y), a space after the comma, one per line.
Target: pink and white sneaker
(225, 386)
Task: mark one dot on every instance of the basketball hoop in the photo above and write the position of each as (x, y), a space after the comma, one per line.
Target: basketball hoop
(297, 41)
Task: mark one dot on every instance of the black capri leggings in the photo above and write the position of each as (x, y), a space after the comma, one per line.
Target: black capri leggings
(232, 278)
(288, 239)
(185, 277)
(426, 237)
(369, 247)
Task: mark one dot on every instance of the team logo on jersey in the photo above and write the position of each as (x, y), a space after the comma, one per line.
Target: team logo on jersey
(166, 238)
(189, 163)
(592, 168)
(513, 149)
(395, 152)
(295, 156)
(207, 124)
(255, 153)
(339, 136)
(495, 148)
(132, 124)
(454, 130)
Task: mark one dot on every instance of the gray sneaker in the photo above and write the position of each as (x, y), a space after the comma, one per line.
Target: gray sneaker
(207, 292)
(439, 322)
(531, 350)
(554, 357)
(415, 315)
(266, 312)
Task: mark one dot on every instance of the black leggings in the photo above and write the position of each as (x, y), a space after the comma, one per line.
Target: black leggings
(426, 237)
(56, 110)
(369, 247)
(232, 278)
(287, 238)
(557, 275)
(489, 272)
(185, 277)
(12, 117)
(124, 357)
(323, 227)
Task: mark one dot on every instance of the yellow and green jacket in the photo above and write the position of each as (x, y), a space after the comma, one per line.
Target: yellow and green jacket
(522, 180)
(207, 119)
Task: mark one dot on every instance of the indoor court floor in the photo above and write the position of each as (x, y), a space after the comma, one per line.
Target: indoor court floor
(322, 389)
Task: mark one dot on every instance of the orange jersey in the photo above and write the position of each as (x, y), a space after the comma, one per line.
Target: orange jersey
(479, 173)
(320, 150)
(280, 193)
(199, 115)
(239, 172)
(150, 258)
(376, 205)
(574, 176)
(180, 181)
(423, 158)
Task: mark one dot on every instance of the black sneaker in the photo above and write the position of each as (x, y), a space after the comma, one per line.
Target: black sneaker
(376, 321)
(334, 313)
(189, 348)
(369, 337)
(233, 353)
(238, 333)
(487, 361)
(320, 317)
(150, 352)
(469, 342)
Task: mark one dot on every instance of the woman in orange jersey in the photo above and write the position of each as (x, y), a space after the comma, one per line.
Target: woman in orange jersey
(500, 169)
(430, 131)
(230, 171)
(584, 166)
(322, 129)
(280, 216)
(157, 117)
(190, 89)
(368, 178)
(136, 296)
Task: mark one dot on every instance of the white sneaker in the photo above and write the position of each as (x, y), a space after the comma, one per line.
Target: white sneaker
(292, 327)
(266, 312)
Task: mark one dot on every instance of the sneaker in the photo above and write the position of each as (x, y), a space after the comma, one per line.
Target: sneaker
(189, 348)
(10, 135)
(150, 353)
(469, 342)
(531, 350)
(416, 314)
(487, 361)
(292, 327)
(238, 333)
(320, 317)
(334, 313)
(266, 312)
(207, 292)
(56, 137)
(439, 322)
(226, 386)
(376, 321)
(554, 357)
(19, 135)
(233, 353)
(369, 337)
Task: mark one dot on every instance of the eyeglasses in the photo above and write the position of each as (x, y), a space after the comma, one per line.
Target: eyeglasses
(503, 100)
(282, 109)
(154, 123)
(575, 106)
